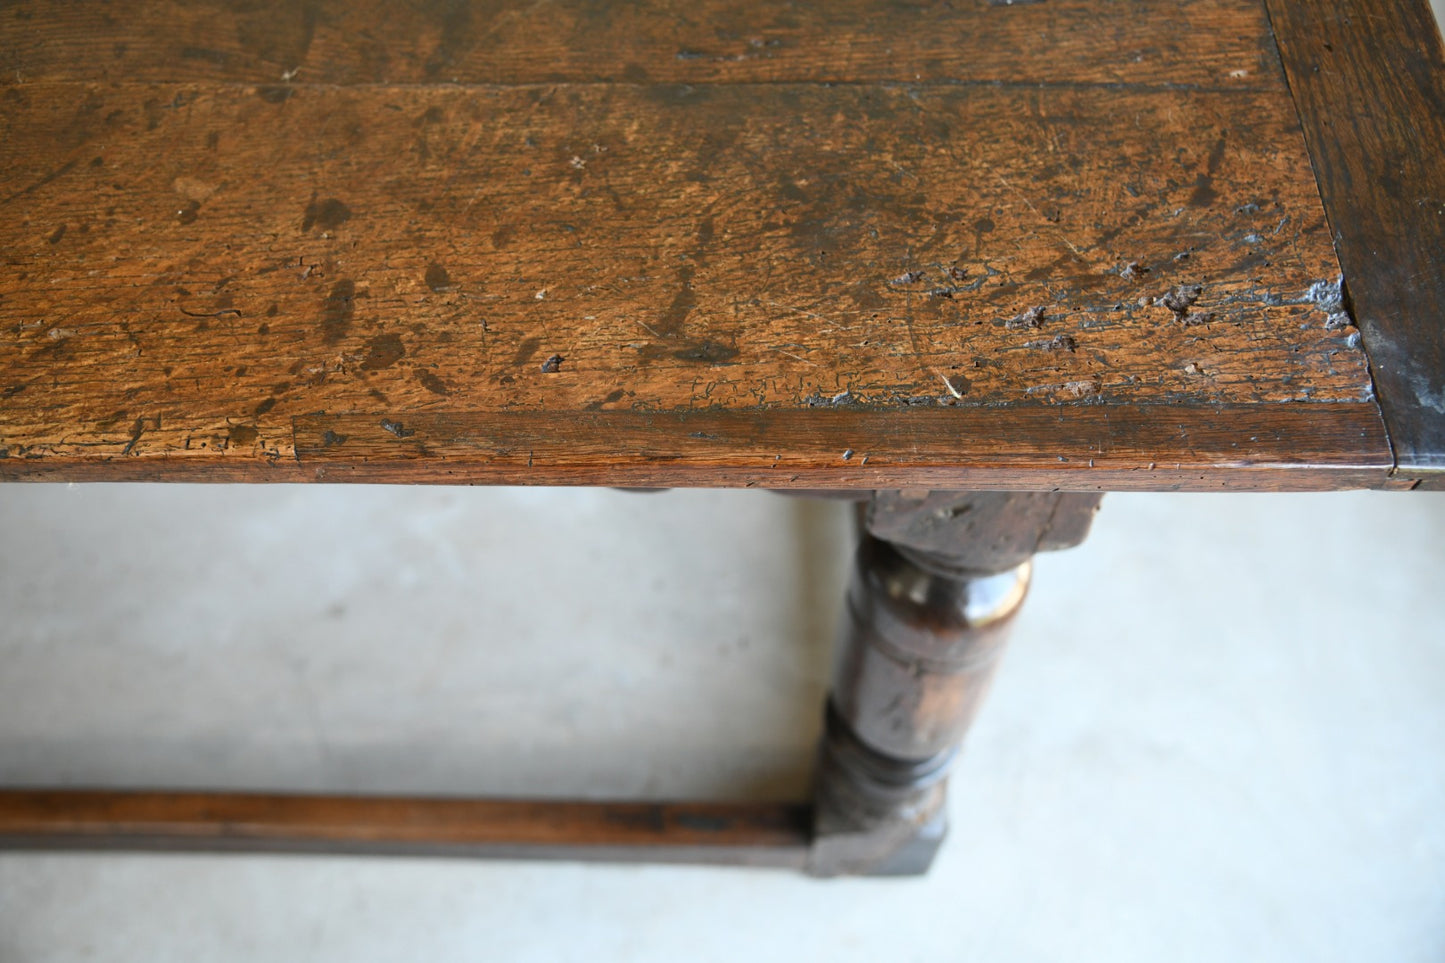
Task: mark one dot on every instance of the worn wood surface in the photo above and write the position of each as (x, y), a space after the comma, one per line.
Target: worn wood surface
(1369, 78)
(919, 646)
(936, 583)
(560, 270)
(979, 533)
(755, 834)
(1198, 42)
(1241, 447)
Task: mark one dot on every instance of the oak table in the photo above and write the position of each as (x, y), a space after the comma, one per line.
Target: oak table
(971, 263)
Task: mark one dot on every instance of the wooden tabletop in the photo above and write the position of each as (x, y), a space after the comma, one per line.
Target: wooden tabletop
(861, 244)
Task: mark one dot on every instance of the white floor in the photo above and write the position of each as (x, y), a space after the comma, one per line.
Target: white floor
(1220, 732)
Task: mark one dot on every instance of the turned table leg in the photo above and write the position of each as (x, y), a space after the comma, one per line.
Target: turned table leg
(937, 581)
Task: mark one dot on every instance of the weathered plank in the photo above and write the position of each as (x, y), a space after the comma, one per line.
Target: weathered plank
(1210, 43)
(1074, 447)
(1369, 78)
(188, 269)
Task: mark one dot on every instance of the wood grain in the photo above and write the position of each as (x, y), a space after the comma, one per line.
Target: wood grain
(1039, 447)
(756, 834)
(197, 274)
(980, 532)
(1369, 78)
(1196, 42)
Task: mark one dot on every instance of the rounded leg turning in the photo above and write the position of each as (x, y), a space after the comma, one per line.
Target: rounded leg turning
(937, 581)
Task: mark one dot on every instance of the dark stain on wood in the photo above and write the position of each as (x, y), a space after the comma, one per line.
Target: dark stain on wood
(327, 214)
(338, 311)
(525, 350)
(437, 278)
(455, 27)
(706, 352)
(617, 394)
(672, 318)
(383, 351)
(1204, 193)
(273, 32)
(431, 382)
